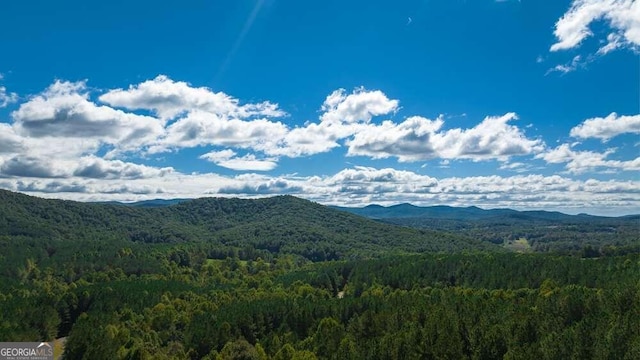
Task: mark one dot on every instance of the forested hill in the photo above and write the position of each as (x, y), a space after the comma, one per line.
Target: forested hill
(279, 224)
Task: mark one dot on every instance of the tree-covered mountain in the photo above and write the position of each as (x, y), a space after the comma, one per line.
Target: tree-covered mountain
(278, 224)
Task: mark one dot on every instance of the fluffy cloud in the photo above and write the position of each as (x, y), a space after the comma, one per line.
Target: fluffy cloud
(63, 120)
(52, 187)
(28, 166)
(608, 127)
(311, 139)
(168, 99)
(64, 111)
(95, 167)
(578, 162)
(343, 115)
(85, 167)
(10, 142)
(228, 159)
(261, 187)
(201, 128)
(622, 16)
(75, 189)
(367, 175)
(201, 116)
(361, 105)
(369, 185)
(419, 138)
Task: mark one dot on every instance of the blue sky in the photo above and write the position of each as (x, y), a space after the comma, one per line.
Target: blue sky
(522, 104)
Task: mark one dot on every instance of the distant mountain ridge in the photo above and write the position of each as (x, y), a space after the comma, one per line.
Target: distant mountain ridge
(146, 203)
(403, 210)
(406, 210)
(535, 230)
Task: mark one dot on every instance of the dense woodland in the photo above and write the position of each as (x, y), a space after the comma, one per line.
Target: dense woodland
(284, 278)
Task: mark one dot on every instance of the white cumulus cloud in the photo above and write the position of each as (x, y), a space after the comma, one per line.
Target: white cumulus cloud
(200, 128)
(578, 162)
(418, 138)
(64, 111)
(95, 167)
(168, 99)
(361, 105)
(229, 159)
(10, 142)
(607, 127)
(343, 115)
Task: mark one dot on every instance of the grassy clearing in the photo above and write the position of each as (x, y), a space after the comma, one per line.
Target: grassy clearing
(520, 245)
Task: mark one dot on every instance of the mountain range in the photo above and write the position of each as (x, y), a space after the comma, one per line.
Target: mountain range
(281, 224)
(405, 210)
(286, 224)
(464, 213)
